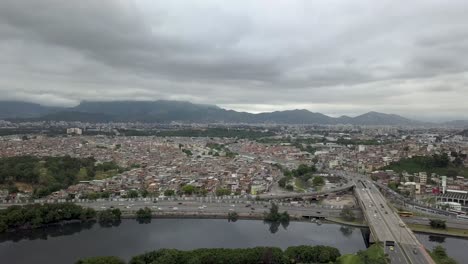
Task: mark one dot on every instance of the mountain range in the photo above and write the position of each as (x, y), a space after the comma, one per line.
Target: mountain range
(166, 111)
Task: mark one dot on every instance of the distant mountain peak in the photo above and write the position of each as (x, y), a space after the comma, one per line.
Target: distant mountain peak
(183, 111)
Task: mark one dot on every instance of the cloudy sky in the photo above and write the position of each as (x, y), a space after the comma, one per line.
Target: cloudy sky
(334, 57)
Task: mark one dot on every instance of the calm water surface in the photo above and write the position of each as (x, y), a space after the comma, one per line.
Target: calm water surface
(66, 244)
(456, 248)
(70, 243)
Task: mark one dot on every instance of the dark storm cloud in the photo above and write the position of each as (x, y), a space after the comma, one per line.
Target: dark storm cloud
(328, 56)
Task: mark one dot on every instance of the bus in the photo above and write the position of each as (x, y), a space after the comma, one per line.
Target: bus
(405, 213)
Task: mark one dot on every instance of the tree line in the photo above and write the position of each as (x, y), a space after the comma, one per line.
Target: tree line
(257, 255)
(50, 174)
(38, 215)
(442, 164)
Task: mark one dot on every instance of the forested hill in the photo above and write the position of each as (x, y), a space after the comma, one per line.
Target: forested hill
(50, 174)
(163, 111)
(440, 164)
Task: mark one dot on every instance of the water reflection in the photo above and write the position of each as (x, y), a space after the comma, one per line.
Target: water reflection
(438, 239)
(144, 220)
(347, 231)
(274, 225)
(47, 232)
(67, 244)
(108, 224)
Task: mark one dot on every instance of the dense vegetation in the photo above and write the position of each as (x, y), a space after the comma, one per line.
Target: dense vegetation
(373, 255)
(257, 255)
(210, 132)
(143, 215)
(347, 214)
(215, 148)
(223, 192)
(109, 217)
(440, 164)
(233, 216)
(437, 224)
(302, 175)
(37, 215)
(315, 254)
(439, 255)
(50, 174)
(274, 218)
(303, 172)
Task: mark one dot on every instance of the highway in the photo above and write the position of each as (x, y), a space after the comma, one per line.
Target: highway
(212, 206)
(386, 224)
(216, 207)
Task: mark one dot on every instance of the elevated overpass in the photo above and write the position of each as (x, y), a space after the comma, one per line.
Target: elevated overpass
(386, 225)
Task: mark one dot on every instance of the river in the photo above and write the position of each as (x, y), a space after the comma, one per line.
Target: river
(68, 243)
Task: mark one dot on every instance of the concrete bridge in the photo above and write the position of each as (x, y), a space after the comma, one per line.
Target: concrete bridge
(386, 225)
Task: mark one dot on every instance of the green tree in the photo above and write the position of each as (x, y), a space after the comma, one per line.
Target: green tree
(188, 189)
(282, 182)
(169, 193)
(109, 217)
(233, 216)
(132, 194)
(222, 192)
(143, 215)
(437, 224)
(347, 214)
(318, 180)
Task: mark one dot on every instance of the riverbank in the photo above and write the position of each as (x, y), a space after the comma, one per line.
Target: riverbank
(201, 215)
(451, 232)
(130, 238)
(357, 223)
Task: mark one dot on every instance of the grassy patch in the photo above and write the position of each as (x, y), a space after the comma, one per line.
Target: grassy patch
(349, 259)
(300, 185)
(374, 254)
(448, 231)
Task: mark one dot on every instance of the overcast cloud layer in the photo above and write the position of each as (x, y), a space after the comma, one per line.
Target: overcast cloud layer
(334, 57)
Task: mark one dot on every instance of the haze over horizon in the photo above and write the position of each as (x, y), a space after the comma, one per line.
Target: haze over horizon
(256, 56)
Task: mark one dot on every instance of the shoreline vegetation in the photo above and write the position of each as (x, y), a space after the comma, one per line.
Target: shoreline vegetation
(35, 216)
(256, 255)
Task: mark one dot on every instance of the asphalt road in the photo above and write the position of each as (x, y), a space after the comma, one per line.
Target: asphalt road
(218, 207)
(386, 224)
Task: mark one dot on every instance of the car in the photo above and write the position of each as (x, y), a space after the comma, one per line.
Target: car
(179, 203)
(175, 208)
(233, 205)
(248, 205)
(252, 208)
(392, 248)
(415, 251)
(230, 209)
